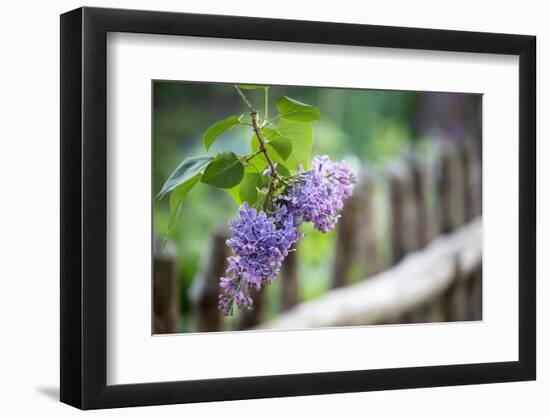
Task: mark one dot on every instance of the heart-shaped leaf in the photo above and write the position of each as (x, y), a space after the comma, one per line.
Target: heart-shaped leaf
(279, 147)
(214, 131)
(225, 171)
(297, 111)
(177, 196)
(249, 187)
(282, 145)
(179, 193)
(184, 172)
(301, 136)
(234, 192)
(269, 133)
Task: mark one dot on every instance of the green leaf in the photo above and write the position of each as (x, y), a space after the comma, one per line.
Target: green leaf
(179, 193)
(269, 133)
(252, 86)
(297, 111)
(282, 145)
(260, 161)
(173, 217)
(225, 171)
(214, 131)
(184, 172)
(235, 191)
(278, 147)
(301, 137)
(249, 187)
(177, 196)
(283, 170)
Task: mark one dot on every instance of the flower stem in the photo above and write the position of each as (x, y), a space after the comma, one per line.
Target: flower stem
(259, 135)
(261, 141)
(244, 98)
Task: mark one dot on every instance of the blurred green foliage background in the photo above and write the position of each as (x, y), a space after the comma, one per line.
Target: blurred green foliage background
(360, 126)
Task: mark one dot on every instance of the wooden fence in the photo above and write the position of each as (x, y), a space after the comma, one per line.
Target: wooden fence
(413, 227)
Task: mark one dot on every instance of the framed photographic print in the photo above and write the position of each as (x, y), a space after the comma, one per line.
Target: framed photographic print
(258, 208)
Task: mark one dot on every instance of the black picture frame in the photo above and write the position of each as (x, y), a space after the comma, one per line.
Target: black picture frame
(84, 207)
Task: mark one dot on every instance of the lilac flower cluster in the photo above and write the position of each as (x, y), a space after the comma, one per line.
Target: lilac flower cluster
(318, 195)
(260, 242)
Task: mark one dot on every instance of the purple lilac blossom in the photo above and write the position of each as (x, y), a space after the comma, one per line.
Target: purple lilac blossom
(260, 242)
(318, 195)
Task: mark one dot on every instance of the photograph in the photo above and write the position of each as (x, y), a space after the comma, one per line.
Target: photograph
(278, 207)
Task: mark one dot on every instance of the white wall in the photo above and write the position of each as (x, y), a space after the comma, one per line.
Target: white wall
(29, 175)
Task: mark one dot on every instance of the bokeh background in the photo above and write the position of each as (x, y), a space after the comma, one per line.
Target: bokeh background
(365, 127)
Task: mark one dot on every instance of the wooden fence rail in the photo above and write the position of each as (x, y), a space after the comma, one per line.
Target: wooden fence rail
(419, 278)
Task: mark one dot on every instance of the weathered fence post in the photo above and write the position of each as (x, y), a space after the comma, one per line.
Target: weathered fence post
(368, 245)
(358, 241)
(404, 237)
(404, 229)
(450, 189)
(472, 199)
(205, 289)
(424, 229)
(165, 285)
(290, 286)
(419, 178)
(451, 192)
(471, 163)
(346, 242)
